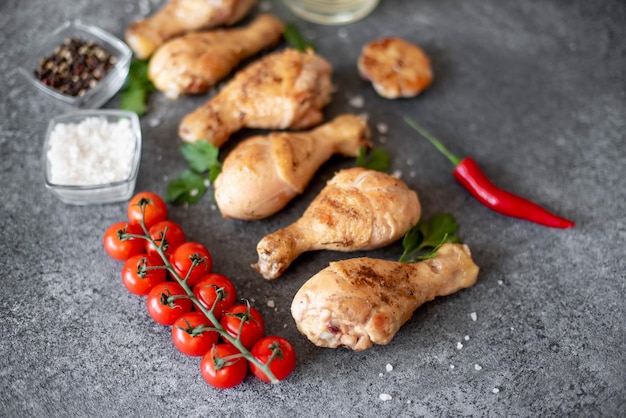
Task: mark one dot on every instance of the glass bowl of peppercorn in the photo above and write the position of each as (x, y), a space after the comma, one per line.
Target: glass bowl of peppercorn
(78, 64)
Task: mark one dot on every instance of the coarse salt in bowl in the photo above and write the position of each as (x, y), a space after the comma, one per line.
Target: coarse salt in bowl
(92, 156)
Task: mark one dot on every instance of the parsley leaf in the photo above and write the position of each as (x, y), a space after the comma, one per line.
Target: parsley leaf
(200, 155)
(189, 187)
(377, 159)
(192, 184)
(136, 88)
(430, 236)
(294, 38)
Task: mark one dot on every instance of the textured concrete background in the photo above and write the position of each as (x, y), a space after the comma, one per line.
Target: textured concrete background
(534, 91)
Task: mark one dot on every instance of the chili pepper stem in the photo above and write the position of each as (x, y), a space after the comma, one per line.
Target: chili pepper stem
(467, 172)
(436, 143)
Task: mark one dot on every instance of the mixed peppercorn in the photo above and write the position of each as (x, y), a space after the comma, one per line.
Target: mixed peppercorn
(75, 67)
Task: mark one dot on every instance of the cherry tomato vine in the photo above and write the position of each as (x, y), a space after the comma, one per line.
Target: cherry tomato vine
(199, 305)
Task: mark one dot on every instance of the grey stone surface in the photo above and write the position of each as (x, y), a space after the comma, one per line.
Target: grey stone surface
(535, 91)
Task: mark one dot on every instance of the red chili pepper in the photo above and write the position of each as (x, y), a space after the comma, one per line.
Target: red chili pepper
(467, 172)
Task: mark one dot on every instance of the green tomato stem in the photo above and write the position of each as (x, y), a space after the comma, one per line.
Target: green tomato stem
(209, 313)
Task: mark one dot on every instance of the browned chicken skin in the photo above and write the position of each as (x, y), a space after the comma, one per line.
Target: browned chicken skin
(359, 209)
(359, 302)
(286, 89)
(263, 173)
(195, 62)
(182, 16)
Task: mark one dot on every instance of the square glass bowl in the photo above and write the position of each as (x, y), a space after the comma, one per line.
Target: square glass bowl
(74, 152)
(96, 96)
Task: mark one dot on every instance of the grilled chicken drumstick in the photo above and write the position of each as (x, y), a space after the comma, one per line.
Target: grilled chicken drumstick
(286, 89)
(263, 173)
(195, 62)
(182, 16)
(359, 209)
(363, 301)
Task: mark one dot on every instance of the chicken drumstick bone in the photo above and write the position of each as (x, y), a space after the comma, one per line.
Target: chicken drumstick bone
(359, 209)
(273, 169)
(359, 302)
(195, 62)
(286, 89)
(181, 16)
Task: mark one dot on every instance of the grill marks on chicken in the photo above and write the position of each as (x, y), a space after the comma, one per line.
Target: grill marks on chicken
(178, 17)
(195, 62)
(263, 173)
(282, 90)
(359, 302)
(359, 209)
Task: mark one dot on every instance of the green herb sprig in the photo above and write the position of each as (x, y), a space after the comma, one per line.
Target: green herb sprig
(134, 94)
(294, 38)
(376, 159)
(423, 240)
(204, 167)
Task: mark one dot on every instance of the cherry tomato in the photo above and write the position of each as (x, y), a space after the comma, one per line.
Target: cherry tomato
(188, 336)
(119, 249)
(139, 276)
(162, 304)
(284, 360)
(220, 371)
(155, 209)
(188, 255)
(253, 328)
(168, 235)
(206, 291)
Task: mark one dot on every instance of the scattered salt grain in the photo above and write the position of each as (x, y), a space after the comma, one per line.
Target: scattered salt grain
(382, 128)
(452, 367)
(384, 397)
(193, 192)
(477, 367)
(154, 122)
(388, 367)
(397, 174)
(271, 303)
(342, 33)
(357, 101)
(459, 345)
(380, 375)
(467, 338)
(500, 282)
(93, 151)
(495, 390)
(473, 316)
(382, 139)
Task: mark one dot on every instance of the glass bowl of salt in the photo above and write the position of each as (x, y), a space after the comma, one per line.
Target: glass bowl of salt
(92, 156)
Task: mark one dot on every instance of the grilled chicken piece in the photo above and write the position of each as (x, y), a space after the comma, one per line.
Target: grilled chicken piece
(182, 16)
(286, 89)
(195, 62)
(395, 67)
(359, 302)
(359, 209)
(263, 173)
